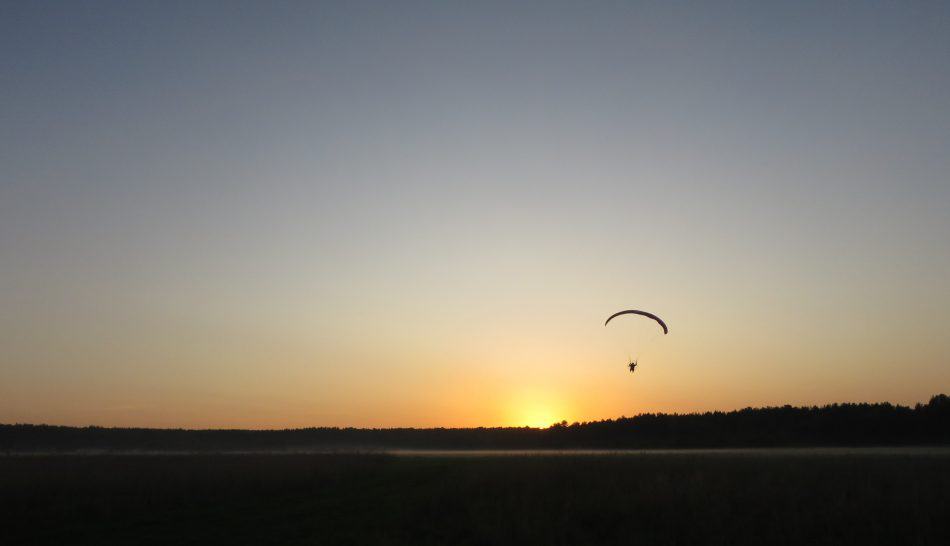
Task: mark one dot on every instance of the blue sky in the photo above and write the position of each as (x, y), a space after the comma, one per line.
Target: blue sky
(274, 214)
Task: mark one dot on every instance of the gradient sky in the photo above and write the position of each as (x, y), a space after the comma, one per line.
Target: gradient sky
(284, 214)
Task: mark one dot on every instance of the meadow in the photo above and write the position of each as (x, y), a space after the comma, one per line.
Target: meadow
(647, 498)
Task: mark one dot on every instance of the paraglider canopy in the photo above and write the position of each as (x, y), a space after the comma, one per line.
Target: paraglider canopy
(641, 313)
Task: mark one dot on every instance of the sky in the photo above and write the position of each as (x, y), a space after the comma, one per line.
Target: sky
(283, 214)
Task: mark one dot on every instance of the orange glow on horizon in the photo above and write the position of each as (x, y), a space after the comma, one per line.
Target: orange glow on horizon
(536, 410)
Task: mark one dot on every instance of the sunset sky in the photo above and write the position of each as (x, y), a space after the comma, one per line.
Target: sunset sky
(283, 214)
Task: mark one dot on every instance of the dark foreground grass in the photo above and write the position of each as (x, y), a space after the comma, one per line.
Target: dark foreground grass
(381, 499)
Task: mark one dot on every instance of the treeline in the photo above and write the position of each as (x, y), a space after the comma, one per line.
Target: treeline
(880, 424)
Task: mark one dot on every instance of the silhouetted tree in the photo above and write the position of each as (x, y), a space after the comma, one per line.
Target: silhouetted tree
(831, 425)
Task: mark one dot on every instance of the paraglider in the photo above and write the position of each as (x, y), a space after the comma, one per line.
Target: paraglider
(632, 365)
(641, 313)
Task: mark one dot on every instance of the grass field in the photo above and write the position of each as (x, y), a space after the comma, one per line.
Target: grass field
(531, 499)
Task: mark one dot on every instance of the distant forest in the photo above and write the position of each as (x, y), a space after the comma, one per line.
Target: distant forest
(880, 424)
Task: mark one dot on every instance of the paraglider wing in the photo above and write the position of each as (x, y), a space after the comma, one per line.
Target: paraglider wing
(641, 313)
